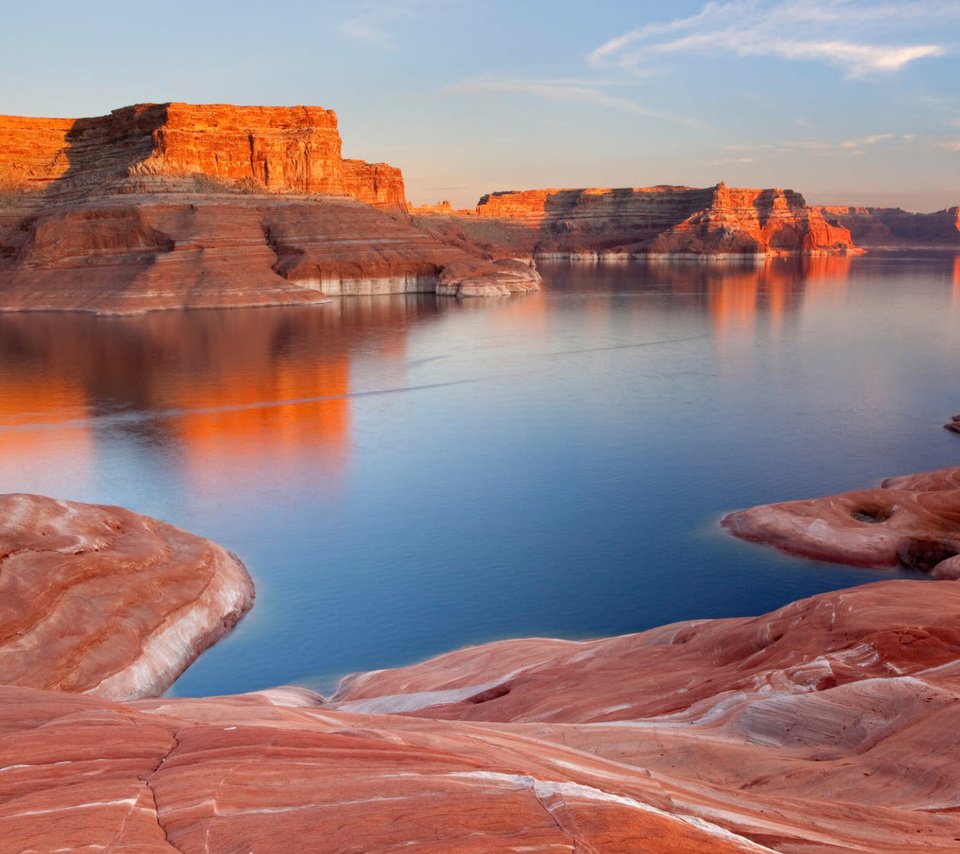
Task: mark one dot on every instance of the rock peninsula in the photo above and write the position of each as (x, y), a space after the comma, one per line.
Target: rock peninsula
(911, 521)
(621, 224)
(182, 206)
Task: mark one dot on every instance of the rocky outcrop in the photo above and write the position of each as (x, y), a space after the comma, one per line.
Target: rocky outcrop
(619, 224)
(181, 206)
(828, 725)
(145, 146)
(99, 600)
(894, 228)
(912, 521)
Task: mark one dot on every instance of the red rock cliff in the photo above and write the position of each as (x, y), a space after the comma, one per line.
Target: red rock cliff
(272, 149)
(666, 219)
(181, 206)
(896, 228)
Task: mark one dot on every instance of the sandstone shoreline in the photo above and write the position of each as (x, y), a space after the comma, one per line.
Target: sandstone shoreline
(826, 725)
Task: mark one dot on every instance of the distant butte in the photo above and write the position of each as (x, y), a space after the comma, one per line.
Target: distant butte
(893, 228)
(181, 206)
(621, 224)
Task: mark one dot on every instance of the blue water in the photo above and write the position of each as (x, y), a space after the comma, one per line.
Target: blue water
(405, 475)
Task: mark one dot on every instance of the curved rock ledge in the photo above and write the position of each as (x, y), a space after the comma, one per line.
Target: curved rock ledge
(827, 726)
(913, 521)
(98, 600)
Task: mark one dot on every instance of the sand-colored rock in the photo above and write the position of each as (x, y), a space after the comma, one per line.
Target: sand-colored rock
(99, 600)
(160, 206)
(617, 224)
(913, 521)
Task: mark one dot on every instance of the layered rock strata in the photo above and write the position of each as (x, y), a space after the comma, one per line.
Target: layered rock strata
(150, 146)
(99, 600)
(827, 726)
(179, 206)
(894, 228)
(664, 220)
(912, 521)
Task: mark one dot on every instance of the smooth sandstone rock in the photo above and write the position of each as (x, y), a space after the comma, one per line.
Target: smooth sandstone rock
(913, 521)
(98, 600)
(826, 726)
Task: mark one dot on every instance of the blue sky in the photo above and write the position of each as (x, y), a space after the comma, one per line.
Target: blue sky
(848, 102)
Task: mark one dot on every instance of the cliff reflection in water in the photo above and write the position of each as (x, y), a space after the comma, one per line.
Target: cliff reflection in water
(219, 394)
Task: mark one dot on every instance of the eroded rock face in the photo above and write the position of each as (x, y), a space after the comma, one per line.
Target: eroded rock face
(271, 149)
(663, 220)
(913, 521)
(99, 600)
(161, 206)
(894, 228)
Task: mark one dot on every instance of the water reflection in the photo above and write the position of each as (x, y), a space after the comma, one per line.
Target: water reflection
(213, 391)
(956, 281)
(404, 475)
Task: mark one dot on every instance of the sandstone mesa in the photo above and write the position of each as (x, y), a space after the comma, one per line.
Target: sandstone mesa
(180, 206)
(893, 228)
(640, 222)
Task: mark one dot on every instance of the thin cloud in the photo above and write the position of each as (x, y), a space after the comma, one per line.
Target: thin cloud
(790, 29)
(581, 91)
(854, 146)
(372, 25)
(950, 145)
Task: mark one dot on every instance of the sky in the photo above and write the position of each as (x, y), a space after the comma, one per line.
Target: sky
(848, 102)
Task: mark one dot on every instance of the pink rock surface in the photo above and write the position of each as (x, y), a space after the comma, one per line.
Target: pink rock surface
(913, 521)
(828, 725)
(99, 600)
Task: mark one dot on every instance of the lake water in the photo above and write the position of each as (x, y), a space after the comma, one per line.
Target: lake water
(405, 475)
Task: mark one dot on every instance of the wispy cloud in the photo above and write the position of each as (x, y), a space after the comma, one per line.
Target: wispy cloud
(582, 91)
(827, 148)
(373, 22)
(732, 161)
(860, 37)
(950, 145)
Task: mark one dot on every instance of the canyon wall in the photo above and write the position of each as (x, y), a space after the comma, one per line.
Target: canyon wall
(266, 149)
(160, 206)
(893, 228)
(662, 220)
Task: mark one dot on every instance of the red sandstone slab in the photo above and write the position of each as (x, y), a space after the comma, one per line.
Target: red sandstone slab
(100, 600)
(913, 521)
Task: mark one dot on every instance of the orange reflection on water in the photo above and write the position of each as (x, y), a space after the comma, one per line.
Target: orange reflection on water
(215, 391)
(43, 417)
(956, 280)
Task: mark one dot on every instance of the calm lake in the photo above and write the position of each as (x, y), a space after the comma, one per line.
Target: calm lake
(404, 475)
